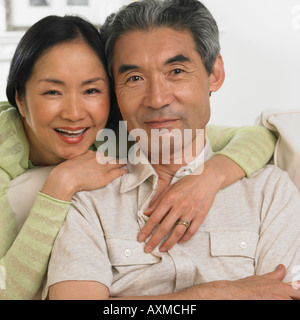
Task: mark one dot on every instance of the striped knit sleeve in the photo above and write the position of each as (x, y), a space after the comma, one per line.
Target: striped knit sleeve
(251, 147)
(24, 265)
(8, 227)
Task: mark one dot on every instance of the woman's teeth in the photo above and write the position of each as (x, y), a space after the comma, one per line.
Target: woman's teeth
(69, 133)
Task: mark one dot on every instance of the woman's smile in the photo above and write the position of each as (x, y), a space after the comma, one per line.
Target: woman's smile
(71, 135)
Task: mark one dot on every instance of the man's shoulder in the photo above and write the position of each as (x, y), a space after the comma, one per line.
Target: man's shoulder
(270, 178)
(108, 193)
(269, 172)
(100, 204)
(266, 180)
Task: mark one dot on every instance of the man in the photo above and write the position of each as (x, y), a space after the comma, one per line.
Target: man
(165, 61)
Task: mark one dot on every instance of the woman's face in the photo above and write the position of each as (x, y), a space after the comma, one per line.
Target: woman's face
(66, 103)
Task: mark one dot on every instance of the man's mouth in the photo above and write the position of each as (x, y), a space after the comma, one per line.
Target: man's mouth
(160, 123)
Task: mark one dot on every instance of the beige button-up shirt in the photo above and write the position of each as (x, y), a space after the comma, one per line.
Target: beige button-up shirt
(252, 227)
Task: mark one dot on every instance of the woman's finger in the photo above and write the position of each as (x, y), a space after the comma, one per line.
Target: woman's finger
(178, 232)
(195, 224)
(154, 204)
(164, 228)
(155, 219)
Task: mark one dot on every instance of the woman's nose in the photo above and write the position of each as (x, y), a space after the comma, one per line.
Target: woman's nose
(73, 108)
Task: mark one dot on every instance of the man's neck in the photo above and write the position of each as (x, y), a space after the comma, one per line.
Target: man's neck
(166, 172)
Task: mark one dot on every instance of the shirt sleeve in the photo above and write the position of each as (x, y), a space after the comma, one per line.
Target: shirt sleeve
(25, 257)
(80, 252)
(279, 241)
(251, 147)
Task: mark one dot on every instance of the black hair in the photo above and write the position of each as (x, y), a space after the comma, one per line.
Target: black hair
(43, 35)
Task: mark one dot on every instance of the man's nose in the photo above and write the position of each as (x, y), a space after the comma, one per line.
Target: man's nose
(73, 109)
(158, 93)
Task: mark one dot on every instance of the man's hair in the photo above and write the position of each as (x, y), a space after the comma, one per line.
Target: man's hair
(182, 15)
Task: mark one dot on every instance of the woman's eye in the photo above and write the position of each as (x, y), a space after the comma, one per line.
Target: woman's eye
(51, 92)
(92, 91)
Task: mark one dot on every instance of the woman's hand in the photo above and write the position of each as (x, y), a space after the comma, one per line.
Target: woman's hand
(190, 199)
(82, 173)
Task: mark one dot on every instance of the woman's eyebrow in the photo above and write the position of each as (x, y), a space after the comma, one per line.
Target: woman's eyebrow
(92, 80)
(56, 81)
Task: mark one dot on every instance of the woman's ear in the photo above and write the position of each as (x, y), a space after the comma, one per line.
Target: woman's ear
(21, 104)
(217, 76)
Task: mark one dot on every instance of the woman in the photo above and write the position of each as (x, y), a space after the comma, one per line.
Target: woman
(60, 98)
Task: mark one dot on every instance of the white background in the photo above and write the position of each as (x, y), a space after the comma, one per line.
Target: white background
(260, 42)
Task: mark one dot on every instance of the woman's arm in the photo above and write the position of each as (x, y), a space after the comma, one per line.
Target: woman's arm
(24, 257)
(27, 254)
(250, 147)
(239, 152)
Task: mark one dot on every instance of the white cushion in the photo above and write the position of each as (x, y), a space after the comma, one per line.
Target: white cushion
(286, 125)
(23, 190)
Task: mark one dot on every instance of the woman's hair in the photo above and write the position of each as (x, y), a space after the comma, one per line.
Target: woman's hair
(43, 35)
(190, 15)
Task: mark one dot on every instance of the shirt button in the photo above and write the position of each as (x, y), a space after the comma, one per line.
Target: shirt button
(127, 253)
(243, 245)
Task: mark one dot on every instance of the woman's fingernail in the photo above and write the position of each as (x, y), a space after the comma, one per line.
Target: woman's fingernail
(148, 249)
(163, 249)
(141, 237)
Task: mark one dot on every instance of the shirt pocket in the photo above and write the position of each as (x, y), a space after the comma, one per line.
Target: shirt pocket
(233, 243)
(125, 252)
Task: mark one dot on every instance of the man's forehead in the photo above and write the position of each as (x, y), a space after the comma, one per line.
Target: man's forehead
(167, 44)
(159, 34)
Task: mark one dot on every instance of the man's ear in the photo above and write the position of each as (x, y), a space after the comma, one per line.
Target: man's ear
(217, 76)
(21, 104)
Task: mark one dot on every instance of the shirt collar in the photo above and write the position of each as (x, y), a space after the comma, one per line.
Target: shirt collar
(140, 172)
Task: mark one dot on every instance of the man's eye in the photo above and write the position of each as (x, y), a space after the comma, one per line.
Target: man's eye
(177, 71)
(134, 78)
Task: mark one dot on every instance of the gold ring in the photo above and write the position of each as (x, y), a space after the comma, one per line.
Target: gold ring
(184, 223)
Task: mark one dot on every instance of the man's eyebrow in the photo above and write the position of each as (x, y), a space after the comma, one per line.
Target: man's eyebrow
(178, 58)
(127, 67)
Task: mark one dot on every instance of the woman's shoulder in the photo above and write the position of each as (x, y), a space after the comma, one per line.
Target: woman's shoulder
(4, 105)
(8, 114)
(14, 147)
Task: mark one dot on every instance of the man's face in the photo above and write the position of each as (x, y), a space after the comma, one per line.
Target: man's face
(160, 80)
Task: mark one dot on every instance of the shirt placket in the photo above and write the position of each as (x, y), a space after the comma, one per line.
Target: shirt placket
(145, 194)
(185, 269)
(184, 266)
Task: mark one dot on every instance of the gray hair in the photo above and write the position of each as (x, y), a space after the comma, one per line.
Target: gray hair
(147, 15)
